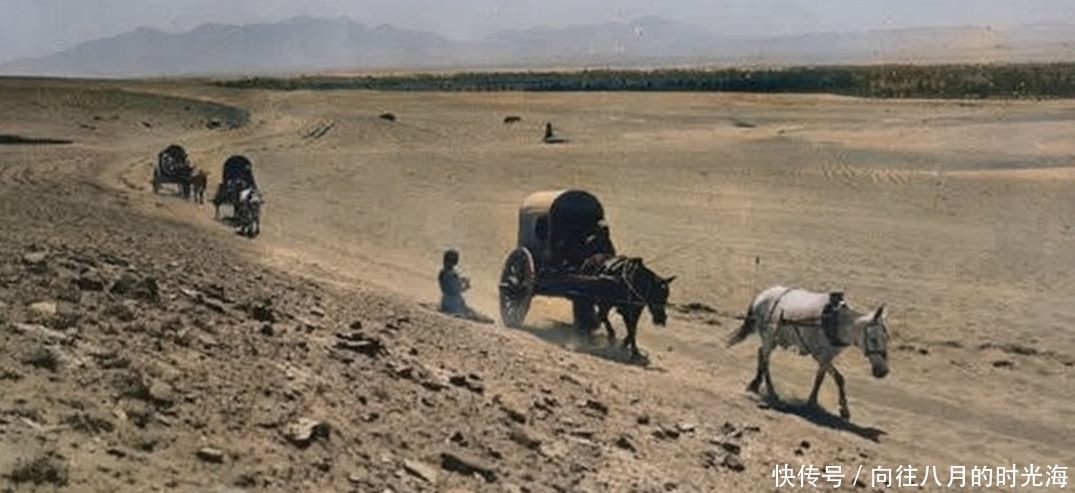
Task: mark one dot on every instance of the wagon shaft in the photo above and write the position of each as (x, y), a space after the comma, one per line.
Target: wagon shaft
(578, 286)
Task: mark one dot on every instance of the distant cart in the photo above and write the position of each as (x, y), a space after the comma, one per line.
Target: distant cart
(552, 244)
(173, 166)
(238, 169)
(237, 175)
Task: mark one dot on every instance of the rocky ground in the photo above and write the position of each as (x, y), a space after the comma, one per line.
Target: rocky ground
(156, 360)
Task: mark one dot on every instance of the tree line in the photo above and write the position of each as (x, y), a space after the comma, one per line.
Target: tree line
(1045, 80)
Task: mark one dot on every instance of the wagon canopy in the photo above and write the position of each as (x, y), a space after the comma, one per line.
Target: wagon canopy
(173, 161)
(238, 168)
(175, 151)
(553, 224)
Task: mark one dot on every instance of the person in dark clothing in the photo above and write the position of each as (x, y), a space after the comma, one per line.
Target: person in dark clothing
(598, 241)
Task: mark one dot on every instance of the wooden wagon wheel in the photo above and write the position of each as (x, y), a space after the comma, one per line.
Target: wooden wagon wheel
(516, 287)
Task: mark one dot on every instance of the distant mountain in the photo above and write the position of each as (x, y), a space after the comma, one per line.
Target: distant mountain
(305, 44)
(299, 44)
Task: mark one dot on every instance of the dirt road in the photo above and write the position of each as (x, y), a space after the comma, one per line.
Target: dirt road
(956, 215)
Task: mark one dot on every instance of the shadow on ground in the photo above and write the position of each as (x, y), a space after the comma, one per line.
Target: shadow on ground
(818, 416)
(8, 139)
(474, 316)
(564, 335)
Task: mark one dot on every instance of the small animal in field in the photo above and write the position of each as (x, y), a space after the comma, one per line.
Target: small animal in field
(512, 119)
(792, 318)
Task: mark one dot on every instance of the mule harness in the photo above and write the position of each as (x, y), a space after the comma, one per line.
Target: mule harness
(798, 328)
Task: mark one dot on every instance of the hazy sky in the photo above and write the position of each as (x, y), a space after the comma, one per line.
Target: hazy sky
(41, 27)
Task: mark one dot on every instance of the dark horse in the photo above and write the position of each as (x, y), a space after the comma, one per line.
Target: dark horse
(631, 287)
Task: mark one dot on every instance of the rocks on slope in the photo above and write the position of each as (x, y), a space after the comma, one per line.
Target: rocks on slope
(162, 363)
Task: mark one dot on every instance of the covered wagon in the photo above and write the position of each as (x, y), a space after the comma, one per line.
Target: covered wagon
(236, 175)
(558, 231)
(173, 166)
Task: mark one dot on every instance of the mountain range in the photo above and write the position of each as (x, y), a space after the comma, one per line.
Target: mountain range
(305, 45)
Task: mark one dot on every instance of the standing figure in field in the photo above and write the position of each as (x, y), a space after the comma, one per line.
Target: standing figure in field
(452, 286)
(198, 184)
(550, 137)
(795, 319)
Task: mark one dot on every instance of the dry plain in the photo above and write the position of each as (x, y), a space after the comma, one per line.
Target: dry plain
(958, 215)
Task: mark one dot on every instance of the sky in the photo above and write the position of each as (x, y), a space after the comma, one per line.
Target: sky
(31, 28)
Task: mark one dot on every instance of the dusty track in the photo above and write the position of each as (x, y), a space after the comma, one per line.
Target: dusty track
(958, 216)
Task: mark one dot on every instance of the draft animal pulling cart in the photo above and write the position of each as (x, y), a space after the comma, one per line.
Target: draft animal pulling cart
(556, 232)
